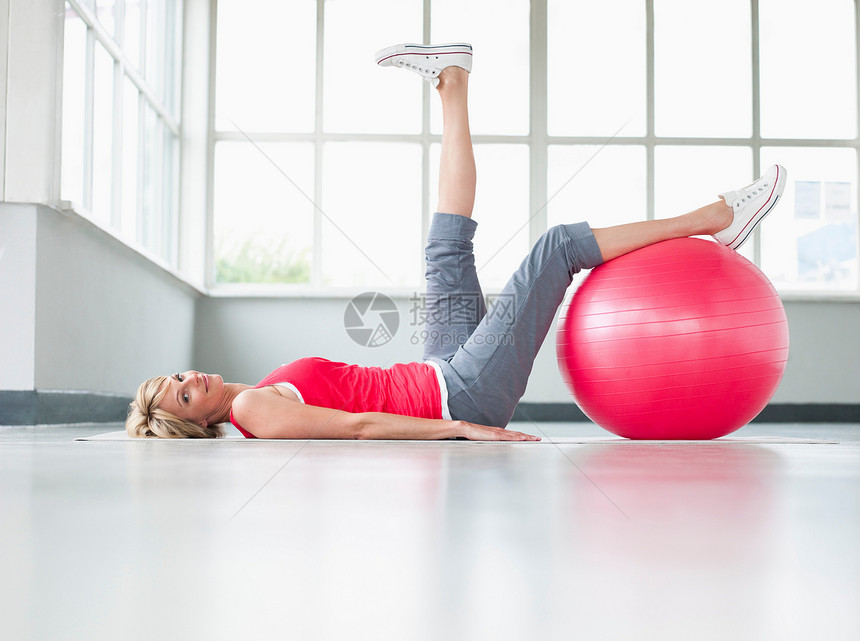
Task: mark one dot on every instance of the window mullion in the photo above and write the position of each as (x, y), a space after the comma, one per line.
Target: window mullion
(210, 269)
(857, 133)
(89, 120)
(426, 141)
(319, 96)
(756, 115)
(157, 176)
(650, 137)
(117, 143)
(119, 68)
(144, 26)
(141, 167)
(538, 135)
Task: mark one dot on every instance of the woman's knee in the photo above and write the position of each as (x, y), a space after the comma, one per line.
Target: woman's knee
(578, 244)
(554, 236)
(548, 244)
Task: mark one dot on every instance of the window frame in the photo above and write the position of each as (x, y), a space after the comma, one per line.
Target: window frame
(537, 140)
(124, 69)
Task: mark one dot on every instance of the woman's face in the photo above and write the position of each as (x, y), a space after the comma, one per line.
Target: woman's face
(194, 396)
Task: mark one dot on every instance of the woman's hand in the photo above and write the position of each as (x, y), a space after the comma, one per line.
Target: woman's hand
(475, 432)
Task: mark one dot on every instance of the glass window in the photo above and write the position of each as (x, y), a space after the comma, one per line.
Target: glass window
(152, 213)
(156, 43)
(120, 146)
(371, 214)
(265, 69)
(105, 11)
(171, 62)
(675, 84)
(360, 98)
(702, 68)
(687, 177)
(809, 243)
(501, 209)
(169, 194)
(808, 69)
(596, 68)
(264, 216)
(131, 32)
(499, 93)
(130, 157)
(580, 177)
(74, 110)
(103, 135)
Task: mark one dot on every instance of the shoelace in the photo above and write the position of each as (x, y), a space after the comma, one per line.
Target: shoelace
(755, 191)
(414, 67)
(420, 69)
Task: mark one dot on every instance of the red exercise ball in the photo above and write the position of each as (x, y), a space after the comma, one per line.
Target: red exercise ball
(685, 339)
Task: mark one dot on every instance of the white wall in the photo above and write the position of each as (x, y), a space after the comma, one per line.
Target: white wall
(824, 357)
(106, 318)
(81, 311)
(245, 338)
(31, 37)
(17, 297)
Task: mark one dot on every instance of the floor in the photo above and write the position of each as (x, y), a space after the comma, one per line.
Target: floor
(430, 540)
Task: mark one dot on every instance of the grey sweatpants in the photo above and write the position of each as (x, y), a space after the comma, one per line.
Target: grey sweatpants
(486, 356)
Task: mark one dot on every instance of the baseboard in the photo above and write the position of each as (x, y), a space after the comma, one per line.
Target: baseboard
(52, 407)
(775, 413)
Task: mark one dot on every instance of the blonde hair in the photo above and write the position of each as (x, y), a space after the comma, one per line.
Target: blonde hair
(147, 420)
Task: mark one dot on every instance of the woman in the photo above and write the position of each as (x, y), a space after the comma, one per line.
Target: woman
(476, 365)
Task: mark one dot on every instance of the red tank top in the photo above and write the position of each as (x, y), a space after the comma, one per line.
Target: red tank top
(407, 389)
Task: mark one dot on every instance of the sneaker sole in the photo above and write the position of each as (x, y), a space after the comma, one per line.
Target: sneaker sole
(764, 210)
(413, 50)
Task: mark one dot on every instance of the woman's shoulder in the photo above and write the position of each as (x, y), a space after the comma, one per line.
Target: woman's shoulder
(257, 394)
(255, 404)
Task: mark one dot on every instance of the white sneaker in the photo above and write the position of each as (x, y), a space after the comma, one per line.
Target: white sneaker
(751, 204)
(427, 61)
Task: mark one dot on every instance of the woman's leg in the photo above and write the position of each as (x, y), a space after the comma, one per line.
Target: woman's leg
(705, 221)
(488, 374)
(457, 173)
(454, 302)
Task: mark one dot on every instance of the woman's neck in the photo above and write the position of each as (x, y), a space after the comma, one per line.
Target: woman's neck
(231, 391)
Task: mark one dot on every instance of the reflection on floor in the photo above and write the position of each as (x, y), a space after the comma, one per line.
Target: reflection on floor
(430, 540)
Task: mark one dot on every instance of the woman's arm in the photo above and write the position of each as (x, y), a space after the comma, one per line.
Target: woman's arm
(377, 425)
(267, 414)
